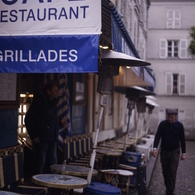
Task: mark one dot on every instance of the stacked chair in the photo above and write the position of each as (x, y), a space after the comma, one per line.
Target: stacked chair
(77, 151)
(11, 173)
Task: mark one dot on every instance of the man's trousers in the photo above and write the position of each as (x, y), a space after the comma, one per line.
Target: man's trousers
(170, 162)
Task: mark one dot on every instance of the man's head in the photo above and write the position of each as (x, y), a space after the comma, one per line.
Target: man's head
(171, 115)
(52, 89)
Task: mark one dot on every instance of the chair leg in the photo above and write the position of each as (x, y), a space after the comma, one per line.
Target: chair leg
(127, 185)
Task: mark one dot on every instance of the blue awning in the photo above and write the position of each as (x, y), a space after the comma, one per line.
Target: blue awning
(49, 54)
(122, 42)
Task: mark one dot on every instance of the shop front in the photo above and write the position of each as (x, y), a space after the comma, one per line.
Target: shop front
(41, 41)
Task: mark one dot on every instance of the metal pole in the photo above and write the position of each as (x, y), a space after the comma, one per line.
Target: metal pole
(103, 101)
(148, 122)
(127, 134)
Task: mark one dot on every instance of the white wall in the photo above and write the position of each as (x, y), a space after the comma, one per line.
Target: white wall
(158, 30)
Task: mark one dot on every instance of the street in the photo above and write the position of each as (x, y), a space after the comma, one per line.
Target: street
(185, 183)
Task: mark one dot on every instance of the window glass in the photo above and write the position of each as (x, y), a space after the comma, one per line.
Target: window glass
(173, 48)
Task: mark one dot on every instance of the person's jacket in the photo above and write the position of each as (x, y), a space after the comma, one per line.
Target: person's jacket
(42, 118)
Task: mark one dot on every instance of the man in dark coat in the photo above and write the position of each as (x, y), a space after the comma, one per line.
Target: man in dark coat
(42, 124)
(171, 133)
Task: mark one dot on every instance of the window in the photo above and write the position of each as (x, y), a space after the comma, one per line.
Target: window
(173, 19)
(181, 115)
(175, 84)
(173, 48)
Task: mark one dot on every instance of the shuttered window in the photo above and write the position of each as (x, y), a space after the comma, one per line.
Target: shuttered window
(173, 19)
(173, 48)
(175, 84)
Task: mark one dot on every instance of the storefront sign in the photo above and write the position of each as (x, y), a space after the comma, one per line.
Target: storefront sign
(49, 35)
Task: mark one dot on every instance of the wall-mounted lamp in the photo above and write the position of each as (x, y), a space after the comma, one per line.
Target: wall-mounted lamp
(104, 47)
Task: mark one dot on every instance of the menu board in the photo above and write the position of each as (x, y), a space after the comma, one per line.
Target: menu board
(8, 87)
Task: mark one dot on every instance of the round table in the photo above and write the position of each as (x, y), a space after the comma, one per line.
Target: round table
(109, 152)
(59, 181)
(73, 170)
(124, 174)
(7, 193)
(110, 159)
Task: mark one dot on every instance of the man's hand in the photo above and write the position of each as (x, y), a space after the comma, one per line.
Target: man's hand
(183, 156)
(154, 153)
(63, 123)
(36, 140)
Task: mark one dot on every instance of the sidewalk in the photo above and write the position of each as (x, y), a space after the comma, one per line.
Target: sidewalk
(185, 183)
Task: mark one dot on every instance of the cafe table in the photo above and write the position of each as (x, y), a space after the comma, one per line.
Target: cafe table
(73, 170)
(110, 159)
(113, 145)
(7, 193)
(60, 181)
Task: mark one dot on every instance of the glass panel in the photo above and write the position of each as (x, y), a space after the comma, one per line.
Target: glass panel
(24, 130)
(19, 120)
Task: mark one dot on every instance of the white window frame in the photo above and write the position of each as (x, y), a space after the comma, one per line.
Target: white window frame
(173, 48)
(181, 88)
(173, 19)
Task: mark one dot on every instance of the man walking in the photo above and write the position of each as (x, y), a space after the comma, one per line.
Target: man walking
(171, 133)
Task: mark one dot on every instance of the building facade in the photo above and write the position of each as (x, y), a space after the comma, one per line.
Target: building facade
(167, 49)
(132, 24)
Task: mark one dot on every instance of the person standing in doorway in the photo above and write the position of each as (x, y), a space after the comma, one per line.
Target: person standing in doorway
(171, 134)
(42, 124)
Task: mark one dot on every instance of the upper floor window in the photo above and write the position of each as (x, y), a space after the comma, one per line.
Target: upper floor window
(173, 18)
(173, 48)
(175, 84)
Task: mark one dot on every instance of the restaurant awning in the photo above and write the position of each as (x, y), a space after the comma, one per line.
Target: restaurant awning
(49, 36)
(122, 42)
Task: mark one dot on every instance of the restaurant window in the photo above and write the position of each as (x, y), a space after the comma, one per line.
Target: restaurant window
(175, 84)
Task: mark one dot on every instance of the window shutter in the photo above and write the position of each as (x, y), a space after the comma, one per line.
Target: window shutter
(170, 18)
(182, 84)
(177, 22)
(169, 83)
(163, 48)
(183, 48)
